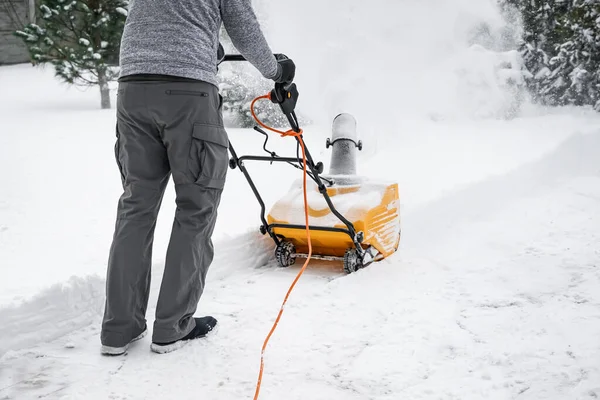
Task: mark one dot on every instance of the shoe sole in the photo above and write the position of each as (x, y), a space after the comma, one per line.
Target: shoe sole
(177, 345)
(170, 347)
(117, 351)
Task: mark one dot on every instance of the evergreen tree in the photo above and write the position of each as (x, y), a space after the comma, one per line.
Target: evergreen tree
(534, 57)
(536, 62)
(572, 76)
(80, 38)
(581, 27)
(561, 49)
(553, 85)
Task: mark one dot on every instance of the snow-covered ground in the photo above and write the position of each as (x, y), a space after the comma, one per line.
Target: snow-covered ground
(493, 293)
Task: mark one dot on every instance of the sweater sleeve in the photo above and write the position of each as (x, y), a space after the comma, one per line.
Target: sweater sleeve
(245, 32)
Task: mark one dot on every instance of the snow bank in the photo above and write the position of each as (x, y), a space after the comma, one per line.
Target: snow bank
(576, 158)
(56, 311)
(79, 302)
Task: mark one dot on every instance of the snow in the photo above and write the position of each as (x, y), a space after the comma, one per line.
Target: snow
(493, 293)
(46, 10)
(121, 11)
(415, 59)
(53, 313)
(353, 205)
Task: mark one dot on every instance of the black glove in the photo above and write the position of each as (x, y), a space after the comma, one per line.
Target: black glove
(286, 70)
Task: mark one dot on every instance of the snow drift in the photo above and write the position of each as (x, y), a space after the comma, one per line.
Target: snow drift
(53, 313)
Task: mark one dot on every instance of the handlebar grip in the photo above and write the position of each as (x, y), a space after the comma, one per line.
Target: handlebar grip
(234, 57)
(239, 57)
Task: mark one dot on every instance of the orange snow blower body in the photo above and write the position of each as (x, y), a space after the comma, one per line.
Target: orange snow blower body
(346, 200)
(373, 208)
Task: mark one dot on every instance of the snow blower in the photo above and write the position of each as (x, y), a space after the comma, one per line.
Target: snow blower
(352, 219)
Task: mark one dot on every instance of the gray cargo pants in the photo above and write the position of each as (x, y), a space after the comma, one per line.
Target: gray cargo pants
(164, 128)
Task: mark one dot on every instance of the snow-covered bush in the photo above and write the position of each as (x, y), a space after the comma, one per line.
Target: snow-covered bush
(239, 86)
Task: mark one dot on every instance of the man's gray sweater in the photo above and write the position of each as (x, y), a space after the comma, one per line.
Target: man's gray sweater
(181, 38)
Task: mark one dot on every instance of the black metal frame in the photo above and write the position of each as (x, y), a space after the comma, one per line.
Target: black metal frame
(286, 97)
(314, 173)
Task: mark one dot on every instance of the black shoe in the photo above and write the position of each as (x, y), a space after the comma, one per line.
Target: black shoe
(203, 326)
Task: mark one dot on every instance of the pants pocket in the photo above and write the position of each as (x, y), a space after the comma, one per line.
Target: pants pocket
(186, 93)
(209, 157)
(118, 153)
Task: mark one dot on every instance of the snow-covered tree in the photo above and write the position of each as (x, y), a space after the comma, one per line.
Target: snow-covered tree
(561, 49)
(535, 61)
(80, 38)
(581, 54)
(571, 76)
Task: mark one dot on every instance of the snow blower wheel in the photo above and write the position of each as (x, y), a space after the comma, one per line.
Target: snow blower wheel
(352, 261)
(284, 253)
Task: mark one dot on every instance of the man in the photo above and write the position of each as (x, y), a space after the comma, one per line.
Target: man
(169, 121)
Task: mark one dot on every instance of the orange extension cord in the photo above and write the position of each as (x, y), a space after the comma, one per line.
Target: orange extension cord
(301, 141)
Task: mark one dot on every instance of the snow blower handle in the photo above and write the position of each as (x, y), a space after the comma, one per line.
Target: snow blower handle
(286, 95)
(239, 57)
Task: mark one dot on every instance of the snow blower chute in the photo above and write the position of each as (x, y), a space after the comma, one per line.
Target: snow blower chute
(352, 219)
